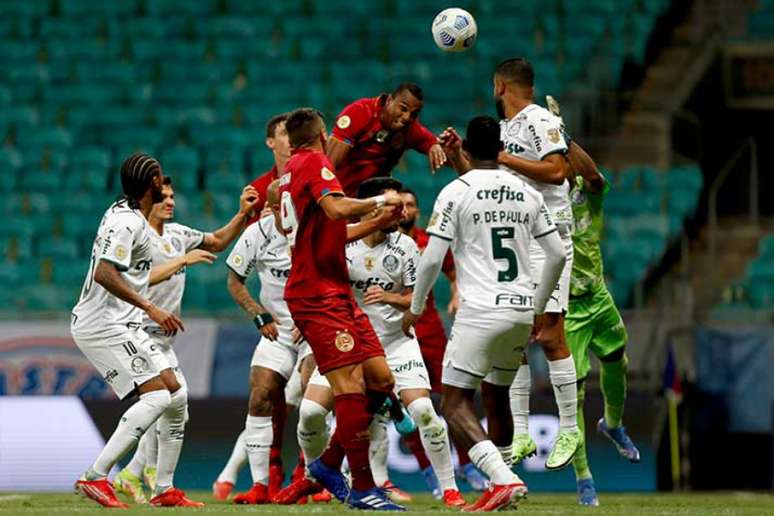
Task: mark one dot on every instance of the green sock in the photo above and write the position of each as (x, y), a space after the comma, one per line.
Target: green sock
(612, 379)
(581, 463)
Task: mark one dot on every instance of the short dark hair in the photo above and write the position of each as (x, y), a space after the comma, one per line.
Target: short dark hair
(518, 70)
(410, 87)
(303, 126)
(137, 172)
(408, 190)
(377, 186)
(167, 181)
(482, 138)
(271, 125)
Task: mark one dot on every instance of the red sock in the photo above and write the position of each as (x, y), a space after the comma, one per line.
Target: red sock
(462, 455)
(352, 421)
(275, 456)
(415, 445)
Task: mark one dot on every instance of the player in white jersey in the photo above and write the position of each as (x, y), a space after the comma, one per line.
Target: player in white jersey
(106, 326)
(382, 270)
(489, 217)
(173, 248)
(535, 149)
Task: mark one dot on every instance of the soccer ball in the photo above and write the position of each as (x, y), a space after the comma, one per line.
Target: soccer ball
(454, 30)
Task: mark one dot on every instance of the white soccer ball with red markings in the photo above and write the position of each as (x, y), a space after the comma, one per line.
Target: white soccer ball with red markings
(454, 30)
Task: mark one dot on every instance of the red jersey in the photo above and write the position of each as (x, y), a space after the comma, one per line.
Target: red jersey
(375, 150)
(319, 264)
(261, 184)
(428, 327)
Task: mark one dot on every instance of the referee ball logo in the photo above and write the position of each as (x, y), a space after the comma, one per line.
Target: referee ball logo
(344, 341)
(120, 252)
(327, 174)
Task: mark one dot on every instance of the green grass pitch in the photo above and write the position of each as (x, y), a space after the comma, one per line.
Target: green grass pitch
(539, 503)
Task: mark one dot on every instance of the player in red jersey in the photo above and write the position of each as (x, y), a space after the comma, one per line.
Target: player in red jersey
(314, 213)
(371, 135)
(277, 142)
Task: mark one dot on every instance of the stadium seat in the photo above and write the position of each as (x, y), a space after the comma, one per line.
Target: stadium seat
(182, 165)
(40, 180)
(10, 275)
(58, 250)
(86, 180)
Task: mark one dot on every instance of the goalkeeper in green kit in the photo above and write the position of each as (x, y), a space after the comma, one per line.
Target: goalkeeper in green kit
(593, 322)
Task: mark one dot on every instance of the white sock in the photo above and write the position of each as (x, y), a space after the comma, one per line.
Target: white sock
(378, 448)
(487, 458)
(520, 400)
(258, 437)
(171, 428)
(137, 463)
(151, 439)
(312, 430)
(564, 381)
(132, 425)
(237, 460)
(506, 452)
(435, 440)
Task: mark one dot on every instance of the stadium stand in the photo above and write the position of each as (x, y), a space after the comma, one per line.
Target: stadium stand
(83, 83)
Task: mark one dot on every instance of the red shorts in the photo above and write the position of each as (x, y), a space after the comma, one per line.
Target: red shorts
(337, 330)
(432, 343)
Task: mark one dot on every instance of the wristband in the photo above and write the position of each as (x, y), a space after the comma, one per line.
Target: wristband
(262, 319)
(380, 200)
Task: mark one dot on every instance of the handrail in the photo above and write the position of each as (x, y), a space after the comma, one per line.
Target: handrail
(720, 180)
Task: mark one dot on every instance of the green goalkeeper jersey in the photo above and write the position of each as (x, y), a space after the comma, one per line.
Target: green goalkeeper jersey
(587, 269)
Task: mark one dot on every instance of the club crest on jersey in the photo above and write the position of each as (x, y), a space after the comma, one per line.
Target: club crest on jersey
(327, 174)
(390, 263)
(139, 365)
(120, 252)
(343, 122)
(344, 341)
(553, 135)
(382, 135)
(177, 244)
(369, 262)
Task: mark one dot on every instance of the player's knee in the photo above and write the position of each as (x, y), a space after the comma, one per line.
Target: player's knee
(178, 400)
(423, 412)
(311, 415)
(260, 403)
(158, 400)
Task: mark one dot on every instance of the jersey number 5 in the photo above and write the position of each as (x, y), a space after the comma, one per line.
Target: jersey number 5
(500, 252)
(288, 217)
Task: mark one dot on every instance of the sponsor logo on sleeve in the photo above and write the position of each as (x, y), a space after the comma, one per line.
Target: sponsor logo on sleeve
(433, 219)
(343, 122)
(238, 260)
(553, 135)
(344, 341)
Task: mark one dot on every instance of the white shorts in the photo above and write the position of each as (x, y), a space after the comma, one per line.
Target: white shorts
(485, 346)
(560, 300)
(279, 355)
(293, 389)
(170, 357)
(404, 359)
(125, 359)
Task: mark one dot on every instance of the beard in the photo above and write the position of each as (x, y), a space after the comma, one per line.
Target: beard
(500, 106)
(407, 224)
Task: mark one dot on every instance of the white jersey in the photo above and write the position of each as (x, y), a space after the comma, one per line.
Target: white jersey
(175, 242)
(533, 134)
(123, 239)
(264, 249)
(490, 217)
(391, 265)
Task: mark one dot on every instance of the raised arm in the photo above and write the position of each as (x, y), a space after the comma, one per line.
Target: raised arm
(583, 164)
(429, 268)
(337, 150)
(220, 239)
(338, 207)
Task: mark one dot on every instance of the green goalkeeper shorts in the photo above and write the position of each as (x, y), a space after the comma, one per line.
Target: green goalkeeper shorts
(594, 324)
